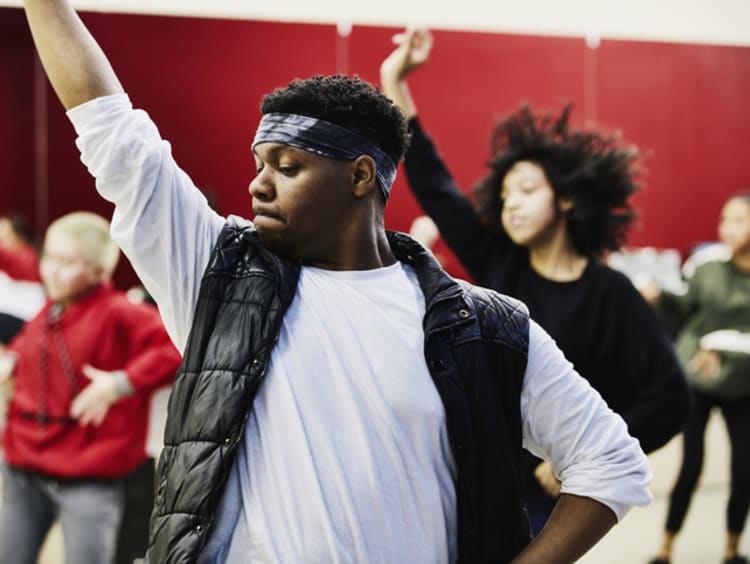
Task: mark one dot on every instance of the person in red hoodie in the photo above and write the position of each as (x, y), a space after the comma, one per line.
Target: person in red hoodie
(83, 371)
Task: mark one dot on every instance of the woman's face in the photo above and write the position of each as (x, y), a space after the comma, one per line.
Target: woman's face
(734, 225)
(530, 213)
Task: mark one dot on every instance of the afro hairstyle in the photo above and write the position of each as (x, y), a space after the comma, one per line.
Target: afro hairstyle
(592, 169)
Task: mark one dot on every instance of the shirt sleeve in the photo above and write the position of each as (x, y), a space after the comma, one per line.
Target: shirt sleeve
(567, 422)
(161, 221)
(152, 360)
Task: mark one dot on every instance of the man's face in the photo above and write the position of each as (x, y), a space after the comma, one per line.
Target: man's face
(301, 201)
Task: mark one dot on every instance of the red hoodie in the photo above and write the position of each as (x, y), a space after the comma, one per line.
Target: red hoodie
(107, 331)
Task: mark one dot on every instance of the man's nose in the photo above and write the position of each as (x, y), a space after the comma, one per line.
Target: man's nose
(261, 187)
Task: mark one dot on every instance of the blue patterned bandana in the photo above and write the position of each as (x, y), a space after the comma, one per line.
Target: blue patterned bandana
(325, 139)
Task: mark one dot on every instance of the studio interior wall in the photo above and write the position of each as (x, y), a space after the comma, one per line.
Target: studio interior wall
(202, 79)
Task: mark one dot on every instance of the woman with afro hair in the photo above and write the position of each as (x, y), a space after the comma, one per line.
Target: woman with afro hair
(555, 200)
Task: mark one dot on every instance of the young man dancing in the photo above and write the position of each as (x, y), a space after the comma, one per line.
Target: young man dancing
(341, 398)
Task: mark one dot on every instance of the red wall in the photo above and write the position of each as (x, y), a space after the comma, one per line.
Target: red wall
(16, 114)
(687, 105)
(202, 80)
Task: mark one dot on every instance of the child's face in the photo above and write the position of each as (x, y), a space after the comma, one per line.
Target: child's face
(65, 272)
(734, 225)
(530, 213)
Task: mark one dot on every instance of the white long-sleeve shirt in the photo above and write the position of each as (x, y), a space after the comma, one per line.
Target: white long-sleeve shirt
(333, 461)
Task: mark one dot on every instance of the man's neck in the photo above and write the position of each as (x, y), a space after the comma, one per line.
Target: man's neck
(362, 245)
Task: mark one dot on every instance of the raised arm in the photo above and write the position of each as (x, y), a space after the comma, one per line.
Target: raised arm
(75, 64)
(161, 221)
(413, 51)
(428, 176)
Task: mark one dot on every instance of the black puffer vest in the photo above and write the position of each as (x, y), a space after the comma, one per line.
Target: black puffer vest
(476, 342)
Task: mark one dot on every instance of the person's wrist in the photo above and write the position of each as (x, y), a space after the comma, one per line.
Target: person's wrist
(123, 387)
(388, 78)
(392, 71)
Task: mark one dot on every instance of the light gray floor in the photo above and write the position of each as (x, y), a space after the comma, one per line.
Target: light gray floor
(636, 538)
(702, 540)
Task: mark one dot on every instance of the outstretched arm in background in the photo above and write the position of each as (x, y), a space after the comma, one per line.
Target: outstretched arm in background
(413, 51)
(75, 64)
(429, 178)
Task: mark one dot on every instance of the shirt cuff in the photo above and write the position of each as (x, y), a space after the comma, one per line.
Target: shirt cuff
(123, 385)
(84, 113)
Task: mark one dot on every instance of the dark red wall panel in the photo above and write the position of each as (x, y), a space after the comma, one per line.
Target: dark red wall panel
(202, 80)
(471, 80)
(687, 106)
(16, 114)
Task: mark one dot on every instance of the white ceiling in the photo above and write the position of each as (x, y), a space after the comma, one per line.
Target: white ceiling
(724, 22)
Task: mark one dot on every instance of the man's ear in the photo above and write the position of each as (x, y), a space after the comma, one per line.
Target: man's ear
(364, 175)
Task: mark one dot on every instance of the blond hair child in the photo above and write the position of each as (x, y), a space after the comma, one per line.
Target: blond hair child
(83, 372)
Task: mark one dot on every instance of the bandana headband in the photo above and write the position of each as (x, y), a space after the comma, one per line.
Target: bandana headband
(326, 139)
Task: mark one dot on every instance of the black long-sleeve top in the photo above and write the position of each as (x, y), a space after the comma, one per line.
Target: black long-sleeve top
(600, 321)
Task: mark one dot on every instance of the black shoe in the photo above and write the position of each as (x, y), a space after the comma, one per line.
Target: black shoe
(661, 561)
(737, 560)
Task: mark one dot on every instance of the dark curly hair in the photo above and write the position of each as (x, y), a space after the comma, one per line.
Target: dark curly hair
(349, 102)
(592, 169)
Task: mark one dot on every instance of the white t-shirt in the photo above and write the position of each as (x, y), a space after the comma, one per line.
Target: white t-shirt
(345, 454)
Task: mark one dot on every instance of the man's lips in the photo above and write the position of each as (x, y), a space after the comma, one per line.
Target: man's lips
(267, 213)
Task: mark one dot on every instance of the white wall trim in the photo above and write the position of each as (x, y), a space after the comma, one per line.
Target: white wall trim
(721, 22)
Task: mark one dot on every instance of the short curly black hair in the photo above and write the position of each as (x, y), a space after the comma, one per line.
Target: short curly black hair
(349, 102)
(592, 169)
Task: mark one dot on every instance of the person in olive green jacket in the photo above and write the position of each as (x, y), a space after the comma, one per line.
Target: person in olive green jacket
(713, 344)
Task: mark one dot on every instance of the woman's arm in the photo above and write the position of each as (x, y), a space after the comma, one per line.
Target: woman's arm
(428, 176)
